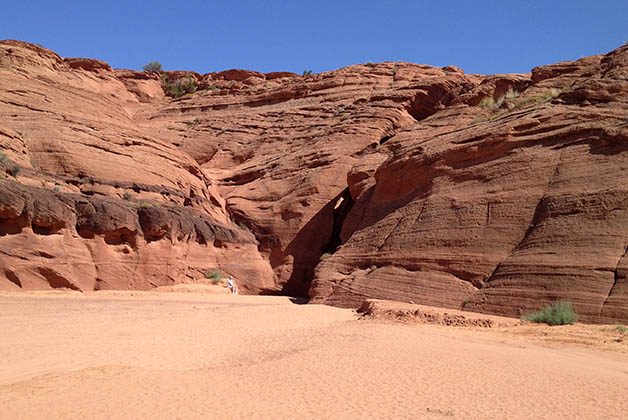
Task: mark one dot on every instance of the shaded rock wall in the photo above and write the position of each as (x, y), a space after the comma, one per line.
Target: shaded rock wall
(54, 239)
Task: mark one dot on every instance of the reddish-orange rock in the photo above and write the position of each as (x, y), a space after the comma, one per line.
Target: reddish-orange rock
(388, 180)
(503, 213)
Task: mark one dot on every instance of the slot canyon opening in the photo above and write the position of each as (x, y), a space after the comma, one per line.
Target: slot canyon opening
(308, 246)
(341, 209)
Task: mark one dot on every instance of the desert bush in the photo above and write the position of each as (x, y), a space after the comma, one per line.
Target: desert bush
(550, 94)
(214, 275)
(127, 196)
(307, 72)
(496, 115)
(325, 256)
(212, 87)
(546, 96)
(153, 66)
(179, 87)
(524, 101)
(558, 313)
(499, 101)
(488, 103)
(621, 328)
(3, 157)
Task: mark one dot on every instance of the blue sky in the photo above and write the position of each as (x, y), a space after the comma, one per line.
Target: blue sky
(479, 36)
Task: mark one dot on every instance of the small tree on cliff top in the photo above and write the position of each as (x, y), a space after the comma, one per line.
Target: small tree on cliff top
(154, 66)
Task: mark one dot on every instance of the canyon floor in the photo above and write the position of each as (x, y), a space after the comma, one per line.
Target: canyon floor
(133, 355)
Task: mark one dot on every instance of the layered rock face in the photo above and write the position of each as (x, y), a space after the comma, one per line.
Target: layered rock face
(398, 181)
(499, 209)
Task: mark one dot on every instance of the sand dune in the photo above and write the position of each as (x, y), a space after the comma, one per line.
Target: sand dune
(196, 356)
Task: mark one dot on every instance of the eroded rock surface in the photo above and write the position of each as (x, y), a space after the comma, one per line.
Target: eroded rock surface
(396, 181)
(500, 209)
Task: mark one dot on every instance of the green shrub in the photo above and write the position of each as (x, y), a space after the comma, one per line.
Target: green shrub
(487, 103)
(558, 313)
(621, 328)
(499, 101)
(179, 87)
(212, 87)
(490, 103)
(3, 157)
(153, 66)
(550, 94)
(496, 115)
(127, 196)
(214, 275)
(307, 73)
(546, 96)
(524, 101)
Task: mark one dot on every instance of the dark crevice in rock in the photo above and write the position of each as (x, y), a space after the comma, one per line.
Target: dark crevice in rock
(120, 237)
(390, 233)
(13, 226)
(56, 280)
(420, 112)
(45, 230)
(341, 209)
(320, 235)
(244, 177)
(12, 278)
(84, 232)
(385, 139)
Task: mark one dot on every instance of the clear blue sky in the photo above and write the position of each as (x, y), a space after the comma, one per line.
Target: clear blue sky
(478, 36)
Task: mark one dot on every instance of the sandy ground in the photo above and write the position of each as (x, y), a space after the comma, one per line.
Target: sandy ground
(217, 356)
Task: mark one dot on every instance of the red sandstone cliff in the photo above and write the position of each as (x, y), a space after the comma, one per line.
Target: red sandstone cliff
(390, 180)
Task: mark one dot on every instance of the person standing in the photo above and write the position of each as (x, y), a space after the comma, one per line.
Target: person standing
(231, 286)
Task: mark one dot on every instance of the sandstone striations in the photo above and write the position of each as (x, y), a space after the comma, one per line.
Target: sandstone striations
(494, 194)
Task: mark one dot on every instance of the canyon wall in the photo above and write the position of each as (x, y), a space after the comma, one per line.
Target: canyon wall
(400, 181)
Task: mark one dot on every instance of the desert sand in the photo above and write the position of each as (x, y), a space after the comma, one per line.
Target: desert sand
(134, 355)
